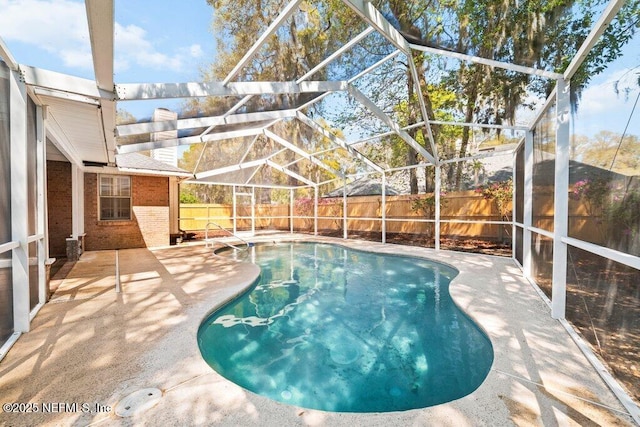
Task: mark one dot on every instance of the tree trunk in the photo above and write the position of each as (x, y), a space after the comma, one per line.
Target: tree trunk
(466, 132)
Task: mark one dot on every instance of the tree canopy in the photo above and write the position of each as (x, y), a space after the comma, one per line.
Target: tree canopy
(541, 34)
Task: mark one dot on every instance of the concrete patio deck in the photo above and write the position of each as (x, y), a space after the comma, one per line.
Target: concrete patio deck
(91, 345)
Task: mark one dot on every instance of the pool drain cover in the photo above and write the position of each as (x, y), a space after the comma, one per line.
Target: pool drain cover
(138, 401)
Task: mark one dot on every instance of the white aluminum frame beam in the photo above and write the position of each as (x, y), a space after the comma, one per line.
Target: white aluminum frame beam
(63, 82)
(237, 166)
(142, 146)
(373, 17)
(7, 57)
(336, 54)
(479, 125)
(374, 66)
(232, 119)
(594, 36)
(561, 201)
(232, 168)
(18, 123)
(362, 98)
(300, 152)
(319, 129)
(484, 61)
(289, 172)
(271, 29)
(227, 184)
(144, 91)
(101, 32)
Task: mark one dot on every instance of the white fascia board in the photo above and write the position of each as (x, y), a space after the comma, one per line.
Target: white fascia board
(300, 152)
(113, 170)
(226, 184)
(7, 57)
(273, 27)
(101, 32)
(607, 16)
(490, 62)
(290, 173)
(53, 93)
(336, 54)
(132, 148)
(108, 119)
(62, 82)
(360, 97)
(154, 172)
(141, 91)
(319, 129)
(167, 125)
(232, 168)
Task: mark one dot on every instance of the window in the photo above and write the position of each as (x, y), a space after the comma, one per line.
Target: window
(115, 197)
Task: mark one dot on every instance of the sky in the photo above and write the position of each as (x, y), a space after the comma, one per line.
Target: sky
(155, 41)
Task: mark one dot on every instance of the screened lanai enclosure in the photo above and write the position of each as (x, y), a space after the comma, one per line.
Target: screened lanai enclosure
(465, 123)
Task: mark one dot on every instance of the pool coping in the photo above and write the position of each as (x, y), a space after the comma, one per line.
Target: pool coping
(536, 378)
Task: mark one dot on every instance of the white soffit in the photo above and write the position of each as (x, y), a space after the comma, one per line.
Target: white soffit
(82, 127)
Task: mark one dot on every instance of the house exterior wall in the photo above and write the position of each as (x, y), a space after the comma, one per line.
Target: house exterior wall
(59, 206)
(149, 223)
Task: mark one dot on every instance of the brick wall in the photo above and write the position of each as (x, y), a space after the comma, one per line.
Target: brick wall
(59, 206)
(149, 224)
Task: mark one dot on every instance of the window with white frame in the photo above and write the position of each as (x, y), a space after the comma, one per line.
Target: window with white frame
(115, 197)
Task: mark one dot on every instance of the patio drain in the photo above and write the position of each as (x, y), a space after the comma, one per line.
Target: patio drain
(138, 401)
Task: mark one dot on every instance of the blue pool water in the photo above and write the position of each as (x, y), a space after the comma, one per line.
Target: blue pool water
(337, 329)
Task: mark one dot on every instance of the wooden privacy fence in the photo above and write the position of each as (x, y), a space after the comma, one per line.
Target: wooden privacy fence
(464, 214)
(363, 214)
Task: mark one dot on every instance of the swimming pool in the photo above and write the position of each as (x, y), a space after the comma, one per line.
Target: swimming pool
(343, 330)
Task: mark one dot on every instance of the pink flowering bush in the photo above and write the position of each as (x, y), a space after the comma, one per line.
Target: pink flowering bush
(500, 193)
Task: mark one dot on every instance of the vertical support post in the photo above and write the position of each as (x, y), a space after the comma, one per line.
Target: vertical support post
(383, 207)
(527, 197)
(235, 211)
(345, 234)
(253, 211)
(41, 224)
(291, 211)
(514, 212)
(561, 201)
(75, 202)
(315, 210)
(19, 203)
(174, 205)
(436, 234)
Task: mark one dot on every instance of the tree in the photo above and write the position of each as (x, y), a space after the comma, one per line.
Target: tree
(543, 34)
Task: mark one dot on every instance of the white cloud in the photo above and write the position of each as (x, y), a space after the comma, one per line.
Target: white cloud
(602, 97)
(57, 26)
(196, 51)
(134, 48)
(60, 27)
